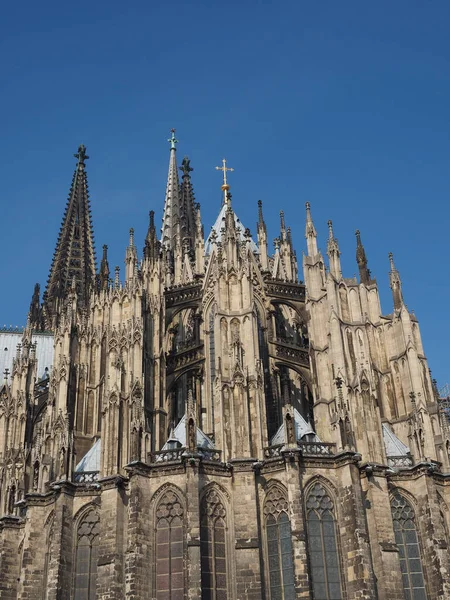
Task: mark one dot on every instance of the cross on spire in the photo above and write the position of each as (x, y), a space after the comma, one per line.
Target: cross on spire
(225, 186)
(172, 140)
(224, 170)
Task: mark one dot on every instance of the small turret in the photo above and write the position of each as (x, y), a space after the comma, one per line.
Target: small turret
(364, 272)
(310, 232)
(104, 269)
(131, 258)
(152, 244)
(35, 309)
(396, 284)
(262, 238)
(333, 253)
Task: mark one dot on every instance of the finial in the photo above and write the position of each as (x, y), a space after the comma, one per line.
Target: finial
(330, 229)
(81, 155)
(116, 278)
(131, 236)
(105, 252)
(361, 259)
(172, 140)
(186, 167)
(228, 199)
(391, 260)
(282, 223)
(151, 214)
(358, 237)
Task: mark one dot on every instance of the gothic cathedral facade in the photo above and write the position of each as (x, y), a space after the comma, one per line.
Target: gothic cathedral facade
(210, 427)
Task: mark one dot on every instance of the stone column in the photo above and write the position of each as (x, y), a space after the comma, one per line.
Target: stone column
(247, 552)
(11, 531)
(110, 578)
(384, 550)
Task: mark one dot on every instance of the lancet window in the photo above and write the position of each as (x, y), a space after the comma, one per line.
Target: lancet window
(407, 541)
(323, 545)
(279, 546)
(213, 533)
(169, 548)
(86, 556)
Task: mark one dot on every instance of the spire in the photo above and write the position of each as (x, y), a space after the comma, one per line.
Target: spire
(364, 273)
(333, 253)
(187, 205)
(35, 312)
(104, 269)
(396, 284)
(74, 257)
(171, 216)
(262, 238)
(131, 258)
(310, 232)
(283, 236)
(152, 245)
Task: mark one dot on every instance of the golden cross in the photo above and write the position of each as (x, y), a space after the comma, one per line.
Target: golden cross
(224, 169)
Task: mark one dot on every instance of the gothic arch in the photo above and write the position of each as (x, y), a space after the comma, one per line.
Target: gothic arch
(408, 540)
(216, 536)
(169, 517)
(323, 543)
(278, 550)
(86, 542)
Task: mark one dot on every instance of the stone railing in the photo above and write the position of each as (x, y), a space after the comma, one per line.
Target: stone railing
(184, 358)
(177, 454)
(291, 352)
(400, 461)
(317, 448)
(283, 289)
(306, 449)
(85, 476)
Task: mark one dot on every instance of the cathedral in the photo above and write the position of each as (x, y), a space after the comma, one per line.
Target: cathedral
(208, 426)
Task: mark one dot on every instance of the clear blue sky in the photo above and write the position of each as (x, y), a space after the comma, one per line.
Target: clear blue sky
(345, 104)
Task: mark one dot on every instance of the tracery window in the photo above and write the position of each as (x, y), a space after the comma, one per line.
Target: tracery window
(279, 546)
(86, 556)
(213, 547)
(169, 548)
(408, 546)
(323, 545)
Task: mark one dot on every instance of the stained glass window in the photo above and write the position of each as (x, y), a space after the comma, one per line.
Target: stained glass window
(408, 546)
(322, 545)
(279, 546)
(213, 547)
(169, 548)
(86, 557)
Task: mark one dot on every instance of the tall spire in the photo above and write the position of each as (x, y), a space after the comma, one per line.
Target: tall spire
(187, 204)
(262, 238)
(104, 269)
(361, 259)
(74, 257)
(310, 232)
(333, 253)
(396, 283)
(171, 216)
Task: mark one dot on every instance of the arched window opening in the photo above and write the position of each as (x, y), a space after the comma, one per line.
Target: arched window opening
(86, 557)
(169, 548)
(213, 548)
(323, 545)
(279, 546)
(407, 541)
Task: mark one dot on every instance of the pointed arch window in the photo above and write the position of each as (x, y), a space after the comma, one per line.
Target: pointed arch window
(323, 545)
(86, 556)
(169, 548)
(279, 546)
(407, 540)
(213, 533)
